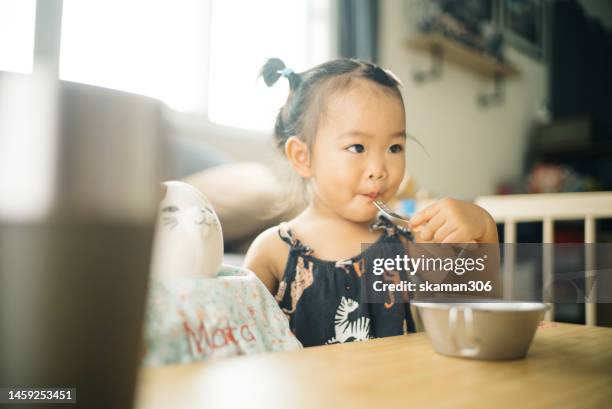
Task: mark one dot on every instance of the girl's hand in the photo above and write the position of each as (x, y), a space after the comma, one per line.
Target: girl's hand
(453, 221)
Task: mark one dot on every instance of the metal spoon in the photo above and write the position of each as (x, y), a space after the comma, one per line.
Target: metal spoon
(387, 211)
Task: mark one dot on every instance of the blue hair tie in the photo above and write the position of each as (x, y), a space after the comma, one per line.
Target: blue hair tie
(285, 72)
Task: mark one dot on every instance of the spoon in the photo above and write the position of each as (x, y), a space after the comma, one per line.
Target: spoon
(382, 206)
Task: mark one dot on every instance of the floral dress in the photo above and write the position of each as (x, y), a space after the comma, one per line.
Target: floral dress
(325, 300)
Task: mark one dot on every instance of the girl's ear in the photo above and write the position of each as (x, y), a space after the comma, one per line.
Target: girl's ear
(297, 152)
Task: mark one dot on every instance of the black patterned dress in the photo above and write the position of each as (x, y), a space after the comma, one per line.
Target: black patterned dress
(324, 300)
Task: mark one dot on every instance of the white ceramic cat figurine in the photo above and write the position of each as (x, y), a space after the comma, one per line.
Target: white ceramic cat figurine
(188, 238)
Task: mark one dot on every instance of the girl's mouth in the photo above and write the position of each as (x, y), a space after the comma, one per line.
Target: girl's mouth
(372, 196)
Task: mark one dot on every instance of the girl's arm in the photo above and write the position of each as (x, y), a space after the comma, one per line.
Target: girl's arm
(264, 258)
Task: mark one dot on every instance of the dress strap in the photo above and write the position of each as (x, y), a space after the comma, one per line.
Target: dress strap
(390, 228)
(284, 232)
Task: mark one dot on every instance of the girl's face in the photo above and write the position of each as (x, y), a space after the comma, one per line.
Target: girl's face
(358, 152)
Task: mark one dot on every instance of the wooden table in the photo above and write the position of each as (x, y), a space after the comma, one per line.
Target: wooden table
(568, 366)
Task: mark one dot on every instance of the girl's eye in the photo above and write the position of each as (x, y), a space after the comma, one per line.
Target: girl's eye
(396, 148)
(356, 148)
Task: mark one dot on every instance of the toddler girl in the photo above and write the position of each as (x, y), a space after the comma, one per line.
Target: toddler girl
(342, 130)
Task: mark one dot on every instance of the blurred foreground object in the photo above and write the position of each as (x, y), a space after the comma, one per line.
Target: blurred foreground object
(79, 178)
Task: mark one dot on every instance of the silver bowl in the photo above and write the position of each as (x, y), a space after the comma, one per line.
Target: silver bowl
(492, 330)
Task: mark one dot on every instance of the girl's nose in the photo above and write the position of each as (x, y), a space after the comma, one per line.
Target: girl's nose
(377, 172)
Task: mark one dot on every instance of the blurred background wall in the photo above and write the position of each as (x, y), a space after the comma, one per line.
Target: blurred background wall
(471, 148)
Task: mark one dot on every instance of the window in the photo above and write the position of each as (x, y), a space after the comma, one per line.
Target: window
(17, 19)
(243, 35)
(141, 46)
(199, 56)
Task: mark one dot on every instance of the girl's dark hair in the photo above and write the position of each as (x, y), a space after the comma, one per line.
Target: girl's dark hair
(307, 91)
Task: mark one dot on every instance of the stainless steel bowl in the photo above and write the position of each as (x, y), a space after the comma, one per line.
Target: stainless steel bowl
(481, 330)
